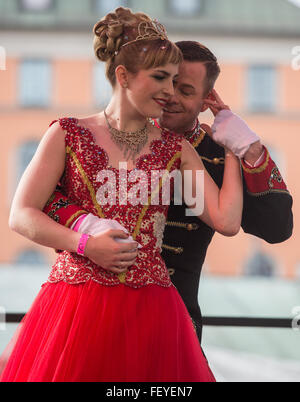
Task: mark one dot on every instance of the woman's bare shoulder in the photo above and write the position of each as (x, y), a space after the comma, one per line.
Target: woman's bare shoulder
(91, 120)
(189, 156)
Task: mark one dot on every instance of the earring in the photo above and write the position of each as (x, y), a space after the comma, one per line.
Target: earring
(125, 85)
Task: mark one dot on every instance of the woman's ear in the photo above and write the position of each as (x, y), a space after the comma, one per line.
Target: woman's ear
(122, 76)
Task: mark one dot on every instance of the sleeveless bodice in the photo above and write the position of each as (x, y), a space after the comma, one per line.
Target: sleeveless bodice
(90, 182)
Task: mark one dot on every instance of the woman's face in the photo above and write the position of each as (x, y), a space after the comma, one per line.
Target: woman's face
(149, 90)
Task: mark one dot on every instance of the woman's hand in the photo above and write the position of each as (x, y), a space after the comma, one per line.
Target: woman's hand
(230, 131)
(105, 251)
(215, 103)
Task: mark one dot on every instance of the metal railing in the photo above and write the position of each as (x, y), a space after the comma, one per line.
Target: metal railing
(260, 322)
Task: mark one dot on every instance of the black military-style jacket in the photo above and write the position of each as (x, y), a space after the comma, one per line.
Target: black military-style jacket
(267, 214)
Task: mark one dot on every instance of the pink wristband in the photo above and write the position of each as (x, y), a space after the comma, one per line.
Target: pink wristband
(82, 243)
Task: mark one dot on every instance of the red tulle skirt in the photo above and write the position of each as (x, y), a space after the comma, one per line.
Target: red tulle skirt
(95, 333)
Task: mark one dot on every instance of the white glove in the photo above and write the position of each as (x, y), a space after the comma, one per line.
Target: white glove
(93, 225)
(230, 131)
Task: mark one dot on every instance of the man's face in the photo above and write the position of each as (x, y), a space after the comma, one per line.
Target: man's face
(183, 108)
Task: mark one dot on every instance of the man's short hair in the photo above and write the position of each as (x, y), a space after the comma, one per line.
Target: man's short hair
(196, 52)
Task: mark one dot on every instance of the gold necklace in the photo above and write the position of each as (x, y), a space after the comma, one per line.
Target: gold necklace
(130, 142)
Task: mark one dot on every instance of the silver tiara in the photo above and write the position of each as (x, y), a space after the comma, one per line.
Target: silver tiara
(149, 30)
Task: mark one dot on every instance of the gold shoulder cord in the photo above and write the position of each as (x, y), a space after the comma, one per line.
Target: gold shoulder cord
(215, 161)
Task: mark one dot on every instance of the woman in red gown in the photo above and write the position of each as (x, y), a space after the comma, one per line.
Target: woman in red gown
(88, 322)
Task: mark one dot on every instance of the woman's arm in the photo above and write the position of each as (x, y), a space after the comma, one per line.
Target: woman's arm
(222, 207)
(37, 184)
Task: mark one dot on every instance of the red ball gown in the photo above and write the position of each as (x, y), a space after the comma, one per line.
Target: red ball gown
(90, 325)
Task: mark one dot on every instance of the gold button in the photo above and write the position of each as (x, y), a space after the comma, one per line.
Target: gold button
(216, 161)
(171, 271)
(192, 226)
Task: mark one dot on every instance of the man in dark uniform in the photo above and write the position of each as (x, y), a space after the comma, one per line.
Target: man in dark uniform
(267, 211)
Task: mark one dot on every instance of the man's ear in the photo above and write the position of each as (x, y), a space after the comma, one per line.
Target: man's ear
(122, 76)
(204, 106)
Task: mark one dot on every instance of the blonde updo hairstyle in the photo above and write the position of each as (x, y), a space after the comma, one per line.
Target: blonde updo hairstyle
(120, 27)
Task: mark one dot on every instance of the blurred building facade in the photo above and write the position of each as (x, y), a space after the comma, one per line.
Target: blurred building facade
(50, 71)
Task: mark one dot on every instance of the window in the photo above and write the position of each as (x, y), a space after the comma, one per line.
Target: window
(24, 155)
(262, 91)
(260, 264)
(35, 83)
(185, 7)
(102, 87)
(2, 58)
(103, 7)
(36, 5)
(30, 257)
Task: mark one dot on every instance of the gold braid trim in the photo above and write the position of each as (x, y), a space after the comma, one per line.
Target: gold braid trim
(177, 224)
(74, 216)
(86, 181)
(259, 169)
(139, 222)
(145, 208)
(197, 142)
(215, 161)
(278, 191)
(176, 250)
(187, 226)
(122, 276)
(199, 139)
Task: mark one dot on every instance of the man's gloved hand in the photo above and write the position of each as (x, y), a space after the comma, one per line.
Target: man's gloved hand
(230, 131)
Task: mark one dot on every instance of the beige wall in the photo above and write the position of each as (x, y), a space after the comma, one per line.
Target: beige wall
(72, 84)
